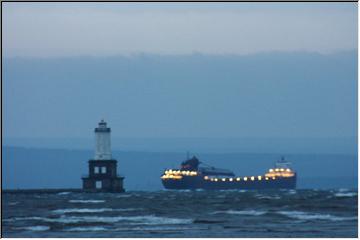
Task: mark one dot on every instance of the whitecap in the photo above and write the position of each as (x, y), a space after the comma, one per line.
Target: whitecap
(85, 229)
(154, 220)
(86, 201)
(93, 210)
(44, 219)
(267, 197)
(81, 210)
(63, 193)
(145, 220)
(346, 194)
(21, 219)
(314, 216)
(232, 190)
(35, 228)
(13, 203)
(243, 212)
(343, 190)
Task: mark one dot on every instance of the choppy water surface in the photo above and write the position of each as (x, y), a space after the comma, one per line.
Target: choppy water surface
(281, 213)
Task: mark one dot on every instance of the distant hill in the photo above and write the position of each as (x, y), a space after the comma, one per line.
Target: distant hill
(340, 145)
(297, 95)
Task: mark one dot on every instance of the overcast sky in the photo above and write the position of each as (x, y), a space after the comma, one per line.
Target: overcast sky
(293, 93)
(102, 29)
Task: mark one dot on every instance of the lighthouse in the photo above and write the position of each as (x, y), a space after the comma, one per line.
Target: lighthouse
(102, 175)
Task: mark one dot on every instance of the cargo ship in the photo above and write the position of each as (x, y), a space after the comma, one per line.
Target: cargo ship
(193, 174)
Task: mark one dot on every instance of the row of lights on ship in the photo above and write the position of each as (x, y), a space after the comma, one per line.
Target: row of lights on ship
(177, 174)
(186, 173)
(280, 172)
(259, 178)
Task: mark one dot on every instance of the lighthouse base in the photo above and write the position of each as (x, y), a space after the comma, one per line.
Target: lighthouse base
(102, 177)
(103, 185)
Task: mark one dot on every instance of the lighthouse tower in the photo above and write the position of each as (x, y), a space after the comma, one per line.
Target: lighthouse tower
(103, 168)
(103, 145)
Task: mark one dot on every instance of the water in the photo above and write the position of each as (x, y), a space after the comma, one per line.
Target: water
(280, 213)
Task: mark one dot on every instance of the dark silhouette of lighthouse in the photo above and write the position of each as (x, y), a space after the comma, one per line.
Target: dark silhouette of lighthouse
(103, 169)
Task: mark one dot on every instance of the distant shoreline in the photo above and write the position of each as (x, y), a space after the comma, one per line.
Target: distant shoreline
(50, 190)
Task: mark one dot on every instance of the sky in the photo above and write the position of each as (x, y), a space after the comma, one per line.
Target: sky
(108, 29)
(182, 70)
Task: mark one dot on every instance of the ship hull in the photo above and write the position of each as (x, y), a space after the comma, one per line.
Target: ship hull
(198, 182)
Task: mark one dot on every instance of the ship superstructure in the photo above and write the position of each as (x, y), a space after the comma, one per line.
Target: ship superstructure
(192, 175)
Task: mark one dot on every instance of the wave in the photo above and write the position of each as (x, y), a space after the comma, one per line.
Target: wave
(208, 221)
(154, 220)
(243, 212)
(125, 195)
(86, 201)
(13, 203)
(82, 210)
(346, 194)
(93, 210)
(35, 228)
(21, 219)
(343, 190)
(128, 209)
(233, 190)
(314, 216)
(158, 228)
(144, 220)
(182, 190)
(86, 229)
(259, 196)
(63, 193)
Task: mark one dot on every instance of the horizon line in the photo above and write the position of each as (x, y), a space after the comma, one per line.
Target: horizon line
(188, 54)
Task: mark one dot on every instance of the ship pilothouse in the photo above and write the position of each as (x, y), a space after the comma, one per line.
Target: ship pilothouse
(194, 174)
(282, 169)
(103, 168)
